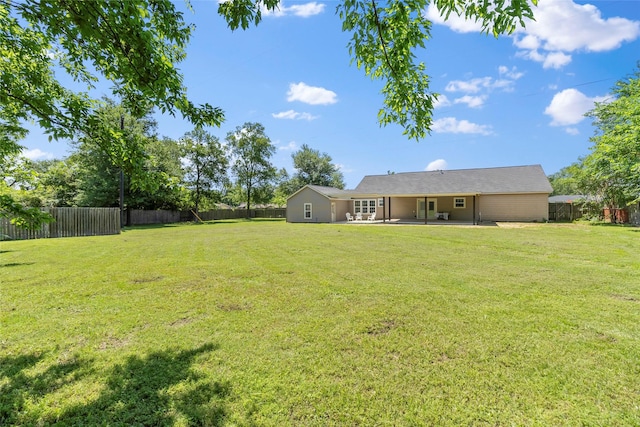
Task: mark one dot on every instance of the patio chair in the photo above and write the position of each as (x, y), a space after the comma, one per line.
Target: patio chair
(372, 217)
(349, 217)
(359, 216)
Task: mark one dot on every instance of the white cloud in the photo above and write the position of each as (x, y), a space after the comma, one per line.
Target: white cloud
(469, 86)
(560, 28)
(292, 146)
(437, 165)
(564, 26)
(311, 94)
(471, 101)
(37, 154)
(474, 86)
(307, 9)
(453, 125)
(293, 115)
(572, 131)
(479, 84)
(569, 106)
(455, 22)
(442, 101)
(512, 73)
(343, 168)
(555, 60)
(304, 10)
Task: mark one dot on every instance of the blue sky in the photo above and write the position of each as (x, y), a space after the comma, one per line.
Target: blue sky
(515, 100)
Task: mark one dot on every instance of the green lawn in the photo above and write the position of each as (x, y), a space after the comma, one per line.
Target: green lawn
(269, 323)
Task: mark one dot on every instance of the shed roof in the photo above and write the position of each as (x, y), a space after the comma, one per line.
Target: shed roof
(501, 180)
(573, 198)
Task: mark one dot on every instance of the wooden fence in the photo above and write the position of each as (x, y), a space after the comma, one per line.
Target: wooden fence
(143, 217)
(72, 222)
(68, 222)
(562, 211)
(242, 213)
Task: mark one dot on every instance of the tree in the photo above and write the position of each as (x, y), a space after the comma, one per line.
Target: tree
(16, 202)
(613, 166)
(251, 150)
(205, 163)
(57, 182)
(284, 187)
(165, 162)
(151, 184)
(313, 167)
(567, 181)
(134, 44)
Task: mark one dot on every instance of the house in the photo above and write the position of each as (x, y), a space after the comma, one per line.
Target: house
(517, 193)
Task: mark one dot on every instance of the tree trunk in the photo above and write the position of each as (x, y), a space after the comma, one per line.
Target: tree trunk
(248, 202)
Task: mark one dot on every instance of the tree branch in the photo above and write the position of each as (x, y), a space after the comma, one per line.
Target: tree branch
(382, 41)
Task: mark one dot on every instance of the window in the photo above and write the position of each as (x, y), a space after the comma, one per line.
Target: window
(307, 211)
(459, 202)
(365, 206)
(380, 203)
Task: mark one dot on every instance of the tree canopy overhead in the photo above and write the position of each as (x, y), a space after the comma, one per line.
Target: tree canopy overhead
(135, 44)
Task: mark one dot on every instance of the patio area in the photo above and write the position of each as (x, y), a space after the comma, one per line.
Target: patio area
(398, 221)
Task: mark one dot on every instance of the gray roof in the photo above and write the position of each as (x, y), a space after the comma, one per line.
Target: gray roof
(331, 192)
(502, 180)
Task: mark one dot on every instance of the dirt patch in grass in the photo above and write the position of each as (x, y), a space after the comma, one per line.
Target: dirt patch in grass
(147, 279)
(181, 322)
(112, 342)
(232, 307)
(625, 298)
(382, 327)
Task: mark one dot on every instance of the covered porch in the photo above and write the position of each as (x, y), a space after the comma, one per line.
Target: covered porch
(411, 209)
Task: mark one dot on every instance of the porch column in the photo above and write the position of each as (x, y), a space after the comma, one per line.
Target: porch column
(384, 210)
(474, 209)
(426, 210)
(389, 199)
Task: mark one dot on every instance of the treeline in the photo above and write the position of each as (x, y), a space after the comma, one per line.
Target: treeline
(610, 173)
(195, 172)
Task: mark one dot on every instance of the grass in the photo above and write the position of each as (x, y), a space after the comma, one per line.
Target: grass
(268, 323)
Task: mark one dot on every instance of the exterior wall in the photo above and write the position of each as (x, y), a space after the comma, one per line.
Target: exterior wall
(445, 204)
(342, 207)
(401, 207)
(320, 207)
(513, 207)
